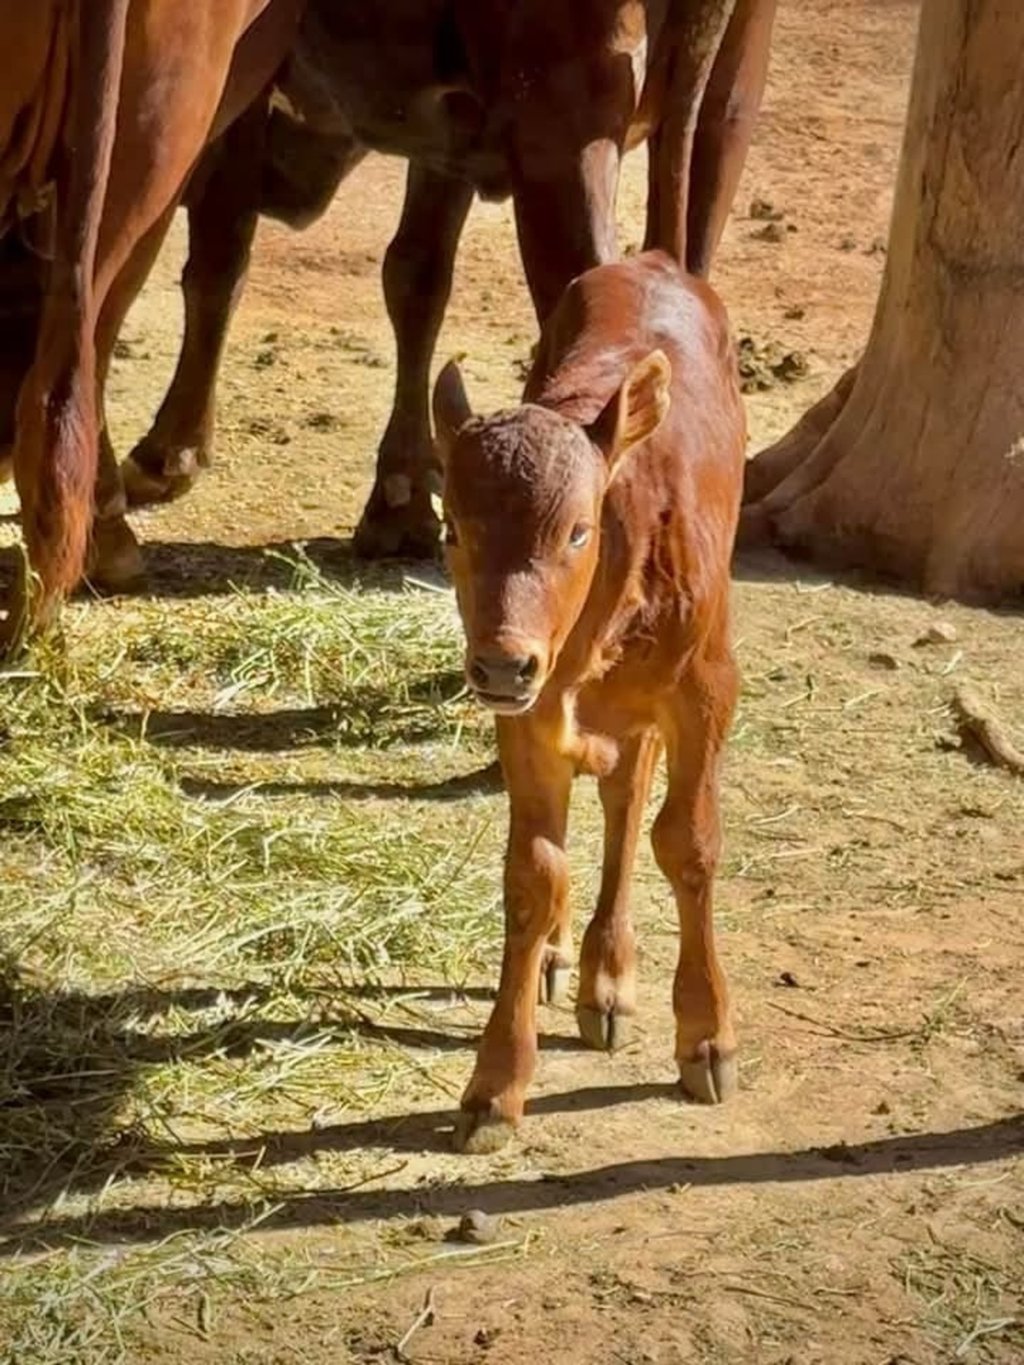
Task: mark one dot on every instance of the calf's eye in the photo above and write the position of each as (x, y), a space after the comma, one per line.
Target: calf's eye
(579, 535)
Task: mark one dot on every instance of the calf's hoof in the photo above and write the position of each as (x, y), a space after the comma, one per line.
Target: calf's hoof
(709, 1077)
(397, 523)
(555, 976)
(604, 1030)
(479, 1132)
(152, 475)
(115, 561)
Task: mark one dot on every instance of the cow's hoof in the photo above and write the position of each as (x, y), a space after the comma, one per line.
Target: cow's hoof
(14, 631)
(402, 528)
(555, 977)
(152, 476)
(115, 561)
(604, 1030)
(709, 1078)
(477, 1133)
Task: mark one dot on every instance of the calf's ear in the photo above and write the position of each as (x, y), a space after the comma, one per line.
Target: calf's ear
(451, 407)
(636, 411)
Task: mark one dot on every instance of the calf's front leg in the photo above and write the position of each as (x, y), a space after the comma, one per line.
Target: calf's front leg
(538, 780)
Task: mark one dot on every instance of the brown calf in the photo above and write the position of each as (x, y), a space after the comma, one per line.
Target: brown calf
(589, 534)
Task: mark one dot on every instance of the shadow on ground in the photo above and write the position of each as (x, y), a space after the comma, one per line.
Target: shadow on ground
(196, 569)
(68, 1061)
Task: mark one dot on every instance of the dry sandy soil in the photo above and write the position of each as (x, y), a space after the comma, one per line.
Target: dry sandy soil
(862, 1201)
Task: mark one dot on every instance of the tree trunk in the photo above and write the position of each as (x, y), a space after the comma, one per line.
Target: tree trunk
(914, 465)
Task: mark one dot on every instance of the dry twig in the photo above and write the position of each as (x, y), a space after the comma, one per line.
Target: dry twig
(849, 1034)
(425, 1318)
(977, 719)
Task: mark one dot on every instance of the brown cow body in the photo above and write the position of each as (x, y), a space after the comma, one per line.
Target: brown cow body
(105, 106)
(537, 99)
(590, 533)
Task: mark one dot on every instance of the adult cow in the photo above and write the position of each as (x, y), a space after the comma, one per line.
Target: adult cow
(534, 98)
(105, 107)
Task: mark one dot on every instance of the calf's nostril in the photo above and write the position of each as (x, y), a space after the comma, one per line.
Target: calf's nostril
(478, 673)
(528, 669)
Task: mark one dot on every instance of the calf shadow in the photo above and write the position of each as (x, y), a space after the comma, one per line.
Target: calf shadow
(70, 1060)
(974, 1145)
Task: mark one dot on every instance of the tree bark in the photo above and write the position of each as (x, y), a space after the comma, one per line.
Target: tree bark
(913, 466)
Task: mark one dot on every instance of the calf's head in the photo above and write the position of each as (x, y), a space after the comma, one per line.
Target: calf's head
(523, 492)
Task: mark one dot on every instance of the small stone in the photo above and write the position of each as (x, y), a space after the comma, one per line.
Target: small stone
(788, 979)
(794, 312)
(848, 243)
(479, 1228)
(880, 659)
(771, 232)
(793, 365)
(764, 211)
(941, 633)
(882, 1108)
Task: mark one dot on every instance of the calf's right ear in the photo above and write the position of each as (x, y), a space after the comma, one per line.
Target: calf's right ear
(636, 411)
(451, 407)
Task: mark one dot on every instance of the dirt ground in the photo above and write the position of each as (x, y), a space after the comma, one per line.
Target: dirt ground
(862, 1201)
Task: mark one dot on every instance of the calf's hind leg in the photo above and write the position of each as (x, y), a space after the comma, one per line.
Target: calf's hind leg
(607, 995)
(687, 839)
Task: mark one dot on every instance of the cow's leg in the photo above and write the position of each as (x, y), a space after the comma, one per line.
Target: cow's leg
(565, 218)
(56, 422)
(223, 210)
(696, 38)
(398, 518)
(686, 839)
(536, 904)
(158, 74)
(607, 994)
(725, 127)
(114, 561)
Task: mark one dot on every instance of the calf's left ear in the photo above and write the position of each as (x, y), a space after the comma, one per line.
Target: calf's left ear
(451, 407)
(636, 411)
